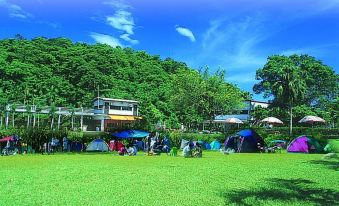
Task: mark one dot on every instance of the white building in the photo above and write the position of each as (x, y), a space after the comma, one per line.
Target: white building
(244, 113)
(113, 113)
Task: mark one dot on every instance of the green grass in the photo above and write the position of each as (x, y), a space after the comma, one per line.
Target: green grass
(215, 179)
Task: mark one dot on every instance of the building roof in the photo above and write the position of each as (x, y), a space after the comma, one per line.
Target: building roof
(248, 100)
(116, 100)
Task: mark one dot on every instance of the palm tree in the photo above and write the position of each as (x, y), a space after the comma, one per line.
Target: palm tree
(289, 88)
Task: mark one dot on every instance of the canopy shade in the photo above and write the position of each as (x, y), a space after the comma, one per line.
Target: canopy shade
(123, 118)
(272, 120)
(311, 119)
(233, 120)
(131, 134)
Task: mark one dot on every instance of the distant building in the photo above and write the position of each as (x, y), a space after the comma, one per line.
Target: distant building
(114, 113)
(244, 113)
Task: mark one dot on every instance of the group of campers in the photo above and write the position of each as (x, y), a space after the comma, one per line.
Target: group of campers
(244, 141)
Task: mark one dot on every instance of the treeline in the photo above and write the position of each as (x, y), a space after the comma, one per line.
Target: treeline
(60, 72)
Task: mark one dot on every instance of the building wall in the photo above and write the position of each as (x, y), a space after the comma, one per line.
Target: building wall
(114, 108)
(243, 113)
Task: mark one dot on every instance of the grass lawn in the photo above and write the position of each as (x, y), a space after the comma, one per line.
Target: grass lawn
(215, 179)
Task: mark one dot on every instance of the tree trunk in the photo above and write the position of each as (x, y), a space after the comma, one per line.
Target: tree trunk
(28, 120)
(7, 119)
(38, 121)
(59, 121)
(291, 120)
(52, 122)
(34, 120)
(72, 122)
(81, 118)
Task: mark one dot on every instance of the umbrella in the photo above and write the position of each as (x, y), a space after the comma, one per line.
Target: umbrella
(10, 138)
(272, 120)
(311, 119)
(233, 120)
(131, 134)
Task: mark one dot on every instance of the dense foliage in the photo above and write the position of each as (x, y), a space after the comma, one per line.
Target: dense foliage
(59, 72)
(300, 83)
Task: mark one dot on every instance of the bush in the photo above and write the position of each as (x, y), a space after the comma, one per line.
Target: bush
(176, 137)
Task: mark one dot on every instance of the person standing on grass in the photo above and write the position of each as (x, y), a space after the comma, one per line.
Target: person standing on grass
(187, 151)
(65, 144)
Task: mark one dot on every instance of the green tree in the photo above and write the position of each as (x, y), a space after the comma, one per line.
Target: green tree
(282, 79)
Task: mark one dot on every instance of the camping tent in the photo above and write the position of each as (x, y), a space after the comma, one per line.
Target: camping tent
(304, 144)
(215, 145)
(279, 143)
(97, 145)
(244, 141)
(205, 145)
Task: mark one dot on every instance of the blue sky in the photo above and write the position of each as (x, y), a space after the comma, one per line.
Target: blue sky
(235, 35)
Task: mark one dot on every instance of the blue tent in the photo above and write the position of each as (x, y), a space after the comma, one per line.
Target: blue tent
(215, 145)
(244, 141)
(97, 145)
(246, 133)
(131, 134)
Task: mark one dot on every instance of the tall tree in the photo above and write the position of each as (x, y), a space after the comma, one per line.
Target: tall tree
(282, 79)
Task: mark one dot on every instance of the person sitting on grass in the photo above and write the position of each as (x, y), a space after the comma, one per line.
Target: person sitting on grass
(157, 147)
(260, 148)
(197, 152)
(131, 151)
(122, 151)
(186, 152)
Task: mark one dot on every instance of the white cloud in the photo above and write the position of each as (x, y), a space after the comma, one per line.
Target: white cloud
(14, 10)
(105, 39)
(127, 38)
(234, 43)
(185, 32)
(122, 20)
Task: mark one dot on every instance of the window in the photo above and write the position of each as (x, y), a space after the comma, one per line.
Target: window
(96, 107)
(244, 112)
(127, 108)
(115, 107)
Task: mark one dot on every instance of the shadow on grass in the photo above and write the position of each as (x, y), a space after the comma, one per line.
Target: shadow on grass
(282, 190)
(330, 164)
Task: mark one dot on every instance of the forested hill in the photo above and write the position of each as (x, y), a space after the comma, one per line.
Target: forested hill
(57, 71)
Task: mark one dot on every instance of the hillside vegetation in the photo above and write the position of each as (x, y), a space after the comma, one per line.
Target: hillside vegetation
(59, 72)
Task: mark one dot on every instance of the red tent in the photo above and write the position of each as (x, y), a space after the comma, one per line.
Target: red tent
(5, 139)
